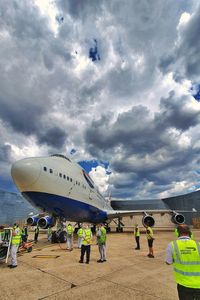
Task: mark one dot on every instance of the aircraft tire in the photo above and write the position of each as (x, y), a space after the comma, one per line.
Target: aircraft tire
(63, 237)
(3, 252)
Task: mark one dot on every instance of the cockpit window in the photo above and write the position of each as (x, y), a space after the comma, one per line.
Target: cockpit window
(88, 179)
(60, 155)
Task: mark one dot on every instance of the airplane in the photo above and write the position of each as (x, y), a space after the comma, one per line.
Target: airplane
(63, 190)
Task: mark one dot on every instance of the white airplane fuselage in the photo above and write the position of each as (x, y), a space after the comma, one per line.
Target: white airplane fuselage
(60, 187)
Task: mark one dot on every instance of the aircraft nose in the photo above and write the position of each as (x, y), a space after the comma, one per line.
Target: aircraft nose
(25, 172)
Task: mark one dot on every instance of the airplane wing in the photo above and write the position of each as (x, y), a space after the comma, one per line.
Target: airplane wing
(124, 213)
(177, 217)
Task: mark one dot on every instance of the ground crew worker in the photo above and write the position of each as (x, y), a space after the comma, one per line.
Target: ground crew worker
(80, 235)
(2, 234)
(184, 254)
(37, 230)
(86, 244)
(101, 241)
(49, 234)
(15, 241)
(69, 230)
(150, 239)
(24, 233)
(137, 236)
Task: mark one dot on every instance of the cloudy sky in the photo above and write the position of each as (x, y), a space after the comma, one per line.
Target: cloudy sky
(114, 84)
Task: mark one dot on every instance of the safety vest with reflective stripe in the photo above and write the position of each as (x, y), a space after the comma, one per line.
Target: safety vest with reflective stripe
(69, 230)
(136, 231)
(186, 256)
(101, 236)
(87, 237)
(16, 238)
(149, 233)
(80, 232)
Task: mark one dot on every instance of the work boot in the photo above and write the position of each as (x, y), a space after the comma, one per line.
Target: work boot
(11, 267)
(80, 261)
(100, 261)
(87, 262)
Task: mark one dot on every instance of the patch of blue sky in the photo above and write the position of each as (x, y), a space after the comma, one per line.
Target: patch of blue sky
(60, 19)
(72, 151)
(87, 165)
(195, 91)
(94, 52)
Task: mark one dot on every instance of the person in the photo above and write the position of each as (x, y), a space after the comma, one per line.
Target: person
(86, 244)
(15, 242)
(184, 255)
(150, 239)
(2, 234)
(25, 233)
(37, 230)
(80, 235)
(69, 230)
(137, 236)
(49, 234)
(101, 241)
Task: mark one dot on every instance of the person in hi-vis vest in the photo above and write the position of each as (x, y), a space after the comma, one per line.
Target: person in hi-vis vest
(137, 236)
(15, 242)
(86, 244)
(184, 254)
(70, 231)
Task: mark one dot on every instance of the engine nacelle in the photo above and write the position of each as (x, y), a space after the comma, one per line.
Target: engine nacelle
(148, 221)
(178, 218)
(32, 221)
(46, 222)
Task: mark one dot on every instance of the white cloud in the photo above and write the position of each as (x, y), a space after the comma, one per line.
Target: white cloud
(100, 177)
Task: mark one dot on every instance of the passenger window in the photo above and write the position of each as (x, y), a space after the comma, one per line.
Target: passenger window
(60, 174)
(45, 169)
(68, 178)
(64, 176)
(71, 179)
(51, 171)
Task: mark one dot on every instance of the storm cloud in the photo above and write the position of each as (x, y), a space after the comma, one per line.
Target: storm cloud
(131, 106)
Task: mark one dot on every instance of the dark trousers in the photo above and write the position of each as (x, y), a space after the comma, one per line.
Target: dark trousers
(85, 248)
(36, 237)
(186, 293)
(137, 239)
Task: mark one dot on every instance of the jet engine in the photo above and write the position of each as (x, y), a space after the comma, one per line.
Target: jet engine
(32, 221)
(46, 222)
(178, 218)
(148, 220)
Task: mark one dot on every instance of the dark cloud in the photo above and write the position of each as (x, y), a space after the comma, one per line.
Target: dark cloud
(5, 153)
(184, 59)
(53, 137)
(177, 113)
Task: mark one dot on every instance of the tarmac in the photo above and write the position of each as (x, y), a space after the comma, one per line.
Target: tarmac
(52, 272)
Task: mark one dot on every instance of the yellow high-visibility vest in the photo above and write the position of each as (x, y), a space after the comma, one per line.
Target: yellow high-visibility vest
(87, 237)
(16, 238)
(137, 232)
(186, 256)
(80, 232)
(150, 234)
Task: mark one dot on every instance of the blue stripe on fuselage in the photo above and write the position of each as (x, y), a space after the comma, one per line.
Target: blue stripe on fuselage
(70, 209)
